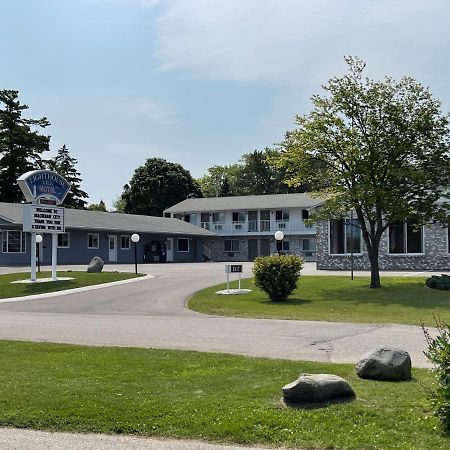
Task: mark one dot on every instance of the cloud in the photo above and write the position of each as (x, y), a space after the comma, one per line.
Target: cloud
(290, 40)
(151, 111)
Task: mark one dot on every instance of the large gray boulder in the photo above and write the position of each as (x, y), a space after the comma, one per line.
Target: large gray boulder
(96, 265)
(318, 388)
(385, 363)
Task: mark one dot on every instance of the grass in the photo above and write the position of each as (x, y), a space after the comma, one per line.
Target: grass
(214, 397)
(81, 279)
(402, 300)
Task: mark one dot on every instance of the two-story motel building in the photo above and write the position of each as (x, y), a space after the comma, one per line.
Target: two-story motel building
(245, 226)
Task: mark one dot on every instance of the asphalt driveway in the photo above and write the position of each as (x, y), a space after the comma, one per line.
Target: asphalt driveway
(152, 313)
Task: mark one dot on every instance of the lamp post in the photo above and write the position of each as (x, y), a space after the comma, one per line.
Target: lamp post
(38, 241)
(279, 236)
(135, 238)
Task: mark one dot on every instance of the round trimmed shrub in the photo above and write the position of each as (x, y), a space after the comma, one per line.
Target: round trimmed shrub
(277, 275)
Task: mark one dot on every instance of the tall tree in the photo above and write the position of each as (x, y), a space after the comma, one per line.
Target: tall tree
(64, 164)
(221, 181)
(97, 206)
(21, 145)
(157, 185)
(379, 148)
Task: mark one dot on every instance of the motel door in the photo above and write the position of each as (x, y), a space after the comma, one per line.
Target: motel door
(112, 248)
(169, 250)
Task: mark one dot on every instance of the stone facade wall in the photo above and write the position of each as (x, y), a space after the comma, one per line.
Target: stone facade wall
(435, 257)
(216, 246)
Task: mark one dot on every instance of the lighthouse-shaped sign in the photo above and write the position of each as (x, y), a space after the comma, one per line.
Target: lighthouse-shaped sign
(45, 190)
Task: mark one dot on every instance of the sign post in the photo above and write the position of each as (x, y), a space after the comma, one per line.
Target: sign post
(233, 268)
(44, 190)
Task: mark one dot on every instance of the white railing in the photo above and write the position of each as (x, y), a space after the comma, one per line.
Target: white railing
(217, 226)
(238, 226)
(265, 225)
(282, 224)
(205, 225)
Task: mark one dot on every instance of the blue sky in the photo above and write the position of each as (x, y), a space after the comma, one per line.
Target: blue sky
(200, 82)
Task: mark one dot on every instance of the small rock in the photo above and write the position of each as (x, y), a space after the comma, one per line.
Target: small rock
(96, 265)
(321, 387)
(385, 363)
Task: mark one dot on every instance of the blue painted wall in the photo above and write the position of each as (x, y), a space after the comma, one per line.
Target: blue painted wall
(79, 253)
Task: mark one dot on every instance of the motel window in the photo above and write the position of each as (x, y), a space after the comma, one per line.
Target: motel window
(305, 214)
(13, 242)
(178, 216)
(281, 215)
(231, 245)
(93, 240)
(239, 217)
(183, 245)
(219, 217)
(341, 237)
(63, 240)
(125, 242)
(285, 245)
(405, 238)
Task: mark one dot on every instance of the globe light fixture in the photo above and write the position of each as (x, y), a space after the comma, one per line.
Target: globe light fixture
(135, 238)
(279, 236)
(39, 239)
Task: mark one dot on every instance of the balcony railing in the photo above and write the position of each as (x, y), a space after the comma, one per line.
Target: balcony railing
(282, 225)
(217, 226)
(205, 225)
(238, 226)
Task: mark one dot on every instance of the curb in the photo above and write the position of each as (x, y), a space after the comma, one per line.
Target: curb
(74, 290)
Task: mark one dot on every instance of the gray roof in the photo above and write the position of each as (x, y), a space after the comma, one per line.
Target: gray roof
(95, 220)
(276, 201)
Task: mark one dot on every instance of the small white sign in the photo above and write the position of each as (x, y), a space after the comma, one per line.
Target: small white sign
(43, 219)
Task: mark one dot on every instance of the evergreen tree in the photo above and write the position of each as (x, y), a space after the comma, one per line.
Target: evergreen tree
(21, 145)
(64, 164)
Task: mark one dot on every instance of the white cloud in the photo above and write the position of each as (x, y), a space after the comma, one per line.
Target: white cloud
(292, 40)
(151, 111)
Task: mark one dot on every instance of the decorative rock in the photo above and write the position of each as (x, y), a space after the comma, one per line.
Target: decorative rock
(96, 265)
(321, 387)
(385, 363)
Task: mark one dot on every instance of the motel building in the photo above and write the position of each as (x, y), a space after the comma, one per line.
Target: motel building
(245, 226)
(107, 235)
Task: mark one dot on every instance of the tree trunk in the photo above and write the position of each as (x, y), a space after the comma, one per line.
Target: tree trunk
(374, 267)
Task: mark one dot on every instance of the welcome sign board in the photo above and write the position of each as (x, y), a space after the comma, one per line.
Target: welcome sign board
(44, 184)
(43, 219)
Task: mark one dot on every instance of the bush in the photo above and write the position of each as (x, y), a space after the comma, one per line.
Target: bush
(438, 353)
(277, 275)
(439, 282)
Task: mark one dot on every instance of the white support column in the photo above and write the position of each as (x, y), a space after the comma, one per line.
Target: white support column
(54, 255)
(33, 257)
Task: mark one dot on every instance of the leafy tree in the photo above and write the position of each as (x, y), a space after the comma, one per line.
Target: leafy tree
(221, 181)
(380, 148)
(157, 185)
(21, 145)
(119, 202)
(97, 206)
(64, 164)
(254, 174)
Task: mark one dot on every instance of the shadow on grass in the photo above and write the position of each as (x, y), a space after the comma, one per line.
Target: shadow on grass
(317, 405)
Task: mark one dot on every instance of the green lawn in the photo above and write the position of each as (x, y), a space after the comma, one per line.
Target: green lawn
(404, 300)
(80, 279)
(213, 397)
